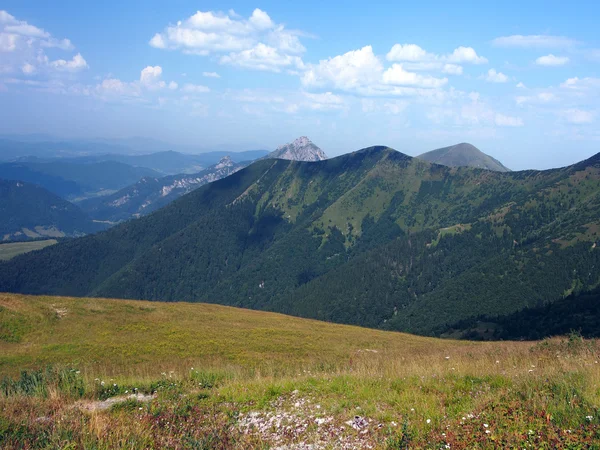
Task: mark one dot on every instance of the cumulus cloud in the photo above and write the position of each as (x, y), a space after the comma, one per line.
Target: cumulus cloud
(508, 121)
(413, 53)
(23, 45)
(396, 75)
(75, 64)
(577, 83)
(520, 85)
(551, 60)
(352, 70)
(534, 41)
(150, 81)
(211, 75)
(496, 77)
(262, 57)
(255, 43)
(362, 72)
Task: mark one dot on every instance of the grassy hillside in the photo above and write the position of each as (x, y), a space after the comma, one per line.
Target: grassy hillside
(207, 376)
(373, 238)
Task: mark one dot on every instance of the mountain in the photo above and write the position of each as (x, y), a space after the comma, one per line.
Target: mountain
(374, 238)
(30, 211)
(463, 155)
(302, 149)
(71, 179)
(150, 194)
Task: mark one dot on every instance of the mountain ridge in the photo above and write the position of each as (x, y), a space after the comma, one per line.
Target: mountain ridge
(374, 238)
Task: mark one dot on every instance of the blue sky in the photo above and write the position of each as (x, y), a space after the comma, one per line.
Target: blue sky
(520, 80)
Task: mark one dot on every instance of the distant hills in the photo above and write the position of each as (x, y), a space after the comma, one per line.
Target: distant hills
(150, 193)
(463, 155)
(28, 211)
(374, 238)
(72, 179)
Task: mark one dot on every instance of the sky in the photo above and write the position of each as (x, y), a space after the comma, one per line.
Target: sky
(519, 80)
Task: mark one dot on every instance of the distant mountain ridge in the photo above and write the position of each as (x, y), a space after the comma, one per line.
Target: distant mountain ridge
(28, 211)
(151, 193)
(301, 149)
(463, 155)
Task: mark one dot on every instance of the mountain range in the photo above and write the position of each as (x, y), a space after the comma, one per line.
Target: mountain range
(374, 238)
(151, 193)
(463, 155)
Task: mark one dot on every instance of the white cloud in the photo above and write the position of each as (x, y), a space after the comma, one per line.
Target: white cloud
(75, 64)
(452, 69)
(211, 75)
(520, 85)
(261, 20)
(551, 60)
(496, 77)
(194, 89)
(465, 55)
(409, 52)
(173, 85)
(508, 121)
(23, 45)
(352, 70)
(577, 83)
(396, 75)
(414, 53)
(254, 43)
(24, 29)
(262, 57)
(534, 41)
(578, 116)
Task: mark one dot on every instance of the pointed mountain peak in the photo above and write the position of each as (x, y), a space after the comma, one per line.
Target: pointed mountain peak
(301, 149)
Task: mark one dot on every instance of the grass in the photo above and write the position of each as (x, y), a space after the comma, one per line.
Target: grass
(8, 251)
(229, 378)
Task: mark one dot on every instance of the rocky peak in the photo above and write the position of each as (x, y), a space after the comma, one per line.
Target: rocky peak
(225, 161)
(301, 149)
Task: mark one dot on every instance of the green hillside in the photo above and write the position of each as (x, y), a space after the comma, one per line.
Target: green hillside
(372, 238)
(30, 211)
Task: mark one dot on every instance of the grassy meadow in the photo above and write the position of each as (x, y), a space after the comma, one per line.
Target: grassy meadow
(12, 249)
(102, 374)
